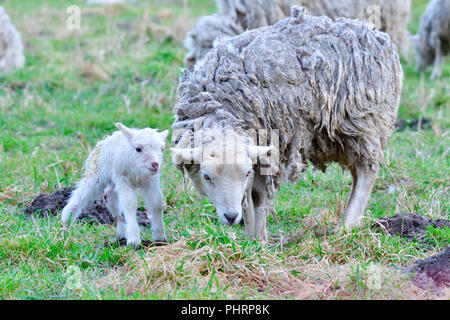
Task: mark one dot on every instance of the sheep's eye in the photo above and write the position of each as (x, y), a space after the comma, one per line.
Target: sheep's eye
(249, 173)
(162, 148)
(206, 177)
(138, 149)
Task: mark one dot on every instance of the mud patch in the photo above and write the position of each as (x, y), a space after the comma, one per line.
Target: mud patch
(48, 205)
(413, 124)
(432, 273)
(407, 225)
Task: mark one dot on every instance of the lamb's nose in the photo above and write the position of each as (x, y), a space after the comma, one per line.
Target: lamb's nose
(155, 165)
(231, 216)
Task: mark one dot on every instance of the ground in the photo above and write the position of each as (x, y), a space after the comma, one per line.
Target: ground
(123, 65)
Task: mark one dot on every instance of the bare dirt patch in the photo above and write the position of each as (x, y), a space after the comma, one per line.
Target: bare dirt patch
(409, 226)
(432, 273)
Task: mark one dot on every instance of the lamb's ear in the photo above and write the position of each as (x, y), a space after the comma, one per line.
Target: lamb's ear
(164, 134)
(126, 131)
(256, 151)
(186, 155)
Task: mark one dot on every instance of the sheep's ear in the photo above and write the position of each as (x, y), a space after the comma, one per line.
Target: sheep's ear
(126, 131)
(186, 155)
(164, 134)
(256, 151)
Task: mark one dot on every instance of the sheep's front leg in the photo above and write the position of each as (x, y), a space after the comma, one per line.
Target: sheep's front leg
(154, 200)
(261, 202)
(261, 223)
(112, 204)
(363, 181)
(437, 68)
(249, 214)
(127, 208)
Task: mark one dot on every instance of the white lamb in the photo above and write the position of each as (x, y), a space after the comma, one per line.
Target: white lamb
(127, 160)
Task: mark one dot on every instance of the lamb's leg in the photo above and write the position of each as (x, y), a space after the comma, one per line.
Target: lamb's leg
(154, 200)
(127, 209)
(363, 181)
(86, 191)
(437, 68)
(112, 204)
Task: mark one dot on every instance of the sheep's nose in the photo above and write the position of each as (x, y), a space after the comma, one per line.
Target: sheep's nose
(231, 216)
(155, 165)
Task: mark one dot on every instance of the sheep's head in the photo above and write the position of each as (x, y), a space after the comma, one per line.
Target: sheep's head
(221, 170)
(146, 147)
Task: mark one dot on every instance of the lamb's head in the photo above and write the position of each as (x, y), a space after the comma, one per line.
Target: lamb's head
(221, 170)
(146, 148)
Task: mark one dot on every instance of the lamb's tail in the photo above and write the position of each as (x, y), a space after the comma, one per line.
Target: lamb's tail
(86, 191)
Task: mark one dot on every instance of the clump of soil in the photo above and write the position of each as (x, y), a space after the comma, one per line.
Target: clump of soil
(432, 273)
(409, 226)
(45, 205)
(413, 124)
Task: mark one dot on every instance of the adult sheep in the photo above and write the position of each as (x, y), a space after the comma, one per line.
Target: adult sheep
(433, 41)
(236, 16)
(331, 91)
(11, 46)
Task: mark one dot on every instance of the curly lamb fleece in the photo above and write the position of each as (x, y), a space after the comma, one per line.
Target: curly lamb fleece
(11, 46)
(251, 14)
(433, 40)
(331, 89)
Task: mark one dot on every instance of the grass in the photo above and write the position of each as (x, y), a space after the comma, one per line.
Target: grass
(123, 65)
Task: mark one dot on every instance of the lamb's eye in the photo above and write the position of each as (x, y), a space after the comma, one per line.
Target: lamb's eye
(249, 172)
(162, 148)
(206, 177)
(138, 149)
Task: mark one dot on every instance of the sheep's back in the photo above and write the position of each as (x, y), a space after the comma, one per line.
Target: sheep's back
(338, 82)
(340, 70)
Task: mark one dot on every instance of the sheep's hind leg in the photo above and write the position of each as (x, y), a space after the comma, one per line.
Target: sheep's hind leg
(363, 181)
(86, 191)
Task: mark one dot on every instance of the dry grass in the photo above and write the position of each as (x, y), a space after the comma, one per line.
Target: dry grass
(222, 265)
(230, 271)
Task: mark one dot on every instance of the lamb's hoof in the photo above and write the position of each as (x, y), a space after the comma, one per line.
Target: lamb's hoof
(122, 241)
